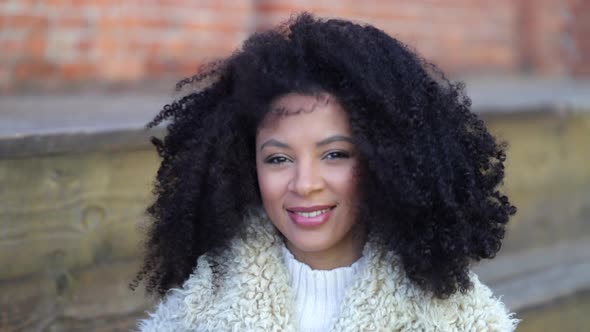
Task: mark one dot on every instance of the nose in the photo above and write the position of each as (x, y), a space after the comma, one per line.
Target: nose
(308, 179)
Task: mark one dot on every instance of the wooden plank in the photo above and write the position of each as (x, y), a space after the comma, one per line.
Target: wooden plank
(539, 276)
(92, 299)
(547, 176)
(29, 304)
(565, 315)
(110, 324)
(103, 291)
(64, 211)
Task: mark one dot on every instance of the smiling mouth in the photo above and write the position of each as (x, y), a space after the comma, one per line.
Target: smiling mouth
(310, 216)
(319, 209)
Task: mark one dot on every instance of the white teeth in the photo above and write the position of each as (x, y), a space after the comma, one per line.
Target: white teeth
(312, 214)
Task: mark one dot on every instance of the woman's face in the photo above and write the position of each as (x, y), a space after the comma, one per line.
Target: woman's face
(306, 163)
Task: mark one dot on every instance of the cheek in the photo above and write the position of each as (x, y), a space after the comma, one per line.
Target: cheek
(345, 183)
(271, 187)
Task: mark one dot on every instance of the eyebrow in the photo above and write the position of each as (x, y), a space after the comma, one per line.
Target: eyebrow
(273, 142)
(325, 141)
(335, 138)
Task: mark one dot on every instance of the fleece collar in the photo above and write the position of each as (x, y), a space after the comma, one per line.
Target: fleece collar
(249, 291)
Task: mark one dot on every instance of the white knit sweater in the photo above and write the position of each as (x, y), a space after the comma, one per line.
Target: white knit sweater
(318, 293)
(250, 290)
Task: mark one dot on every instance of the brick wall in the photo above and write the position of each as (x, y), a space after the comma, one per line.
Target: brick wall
(59, 44)
(579, 28)
(552, 37)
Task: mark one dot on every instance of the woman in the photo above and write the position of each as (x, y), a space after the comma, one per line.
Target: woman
(324, 178)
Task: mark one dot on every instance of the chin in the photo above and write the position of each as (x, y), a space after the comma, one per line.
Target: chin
(307, 243)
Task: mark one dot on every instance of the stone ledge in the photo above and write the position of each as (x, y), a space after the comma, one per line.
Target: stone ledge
(77, 142)
(83, 113)
(37, 125)
(41, 125)
(521, 94)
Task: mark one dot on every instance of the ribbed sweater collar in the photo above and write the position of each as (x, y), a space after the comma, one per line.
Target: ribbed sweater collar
(318, 293)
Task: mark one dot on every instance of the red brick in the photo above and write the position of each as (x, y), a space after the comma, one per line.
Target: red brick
(26, 21)
(107, 45)
(32, 70)
(77, 71)
(36, 44)
(153, 49)
(11, 48)
(57, 3)
(199, 27)
(264, 7)
(73, 22)
(84, 46)
(156, 23)
(94, 3)
(5, 73)
(122, 68)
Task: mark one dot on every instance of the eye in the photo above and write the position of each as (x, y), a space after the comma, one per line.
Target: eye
(276, 160)
(337, 155)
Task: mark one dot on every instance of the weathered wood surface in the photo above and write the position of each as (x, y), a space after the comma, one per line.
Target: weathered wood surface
(67, 211)
(564, 315)
(538, 276)
(96, 298)
(547, 176)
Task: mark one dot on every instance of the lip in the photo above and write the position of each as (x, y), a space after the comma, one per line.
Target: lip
(309, 208)
(316, 221)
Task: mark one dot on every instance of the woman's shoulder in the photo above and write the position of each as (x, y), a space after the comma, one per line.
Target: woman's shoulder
(386, 298)
(223, 280)
(179, 308)
(477, 309)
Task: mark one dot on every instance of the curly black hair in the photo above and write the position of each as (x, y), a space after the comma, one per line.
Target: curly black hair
(430, 167)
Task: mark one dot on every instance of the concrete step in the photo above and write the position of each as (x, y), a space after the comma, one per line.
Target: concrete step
(57, 123)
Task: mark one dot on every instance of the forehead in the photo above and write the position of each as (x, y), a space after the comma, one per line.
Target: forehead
(300, 115)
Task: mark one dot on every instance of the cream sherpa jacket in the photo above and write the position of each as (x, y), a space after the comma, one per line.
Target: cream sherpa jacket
(251, 292)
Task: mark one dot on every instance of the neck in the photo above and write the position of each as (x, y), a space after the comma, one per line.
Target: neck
(345, 253)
